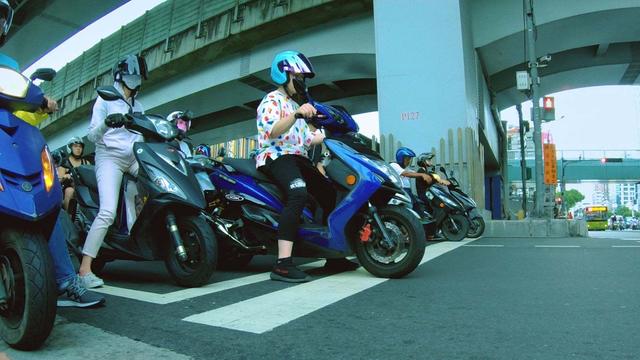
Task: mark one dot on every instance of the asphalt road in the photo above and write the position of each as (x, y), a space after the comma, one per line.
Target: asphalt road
(487, 299)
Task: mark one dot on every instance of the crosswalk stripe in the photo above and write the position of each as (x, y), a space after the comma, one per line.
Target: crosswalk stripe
(180, 295)
(557, 246)
(264, 313)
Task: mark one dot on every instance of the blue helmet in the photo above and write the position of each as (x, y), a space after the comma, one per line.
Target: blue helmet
(202, 149)
(290, 62)
(402, 153)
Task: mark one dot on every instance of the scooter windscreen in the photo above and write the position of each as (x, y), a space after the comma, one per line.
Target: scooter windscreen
(336, 119)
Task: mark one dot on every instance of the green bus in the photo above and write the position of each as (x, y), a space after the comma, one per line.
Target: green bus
(596, 217)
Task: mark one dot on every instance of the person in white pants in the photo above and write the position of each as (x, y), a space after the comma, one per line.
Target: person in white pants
(114, 155)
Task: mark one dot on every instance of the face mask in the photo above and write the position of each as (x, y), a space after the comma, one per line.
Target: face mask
(301, 90)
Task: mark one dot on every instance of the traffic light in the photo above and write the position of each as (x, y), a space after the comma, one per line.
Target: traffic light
(548, 108)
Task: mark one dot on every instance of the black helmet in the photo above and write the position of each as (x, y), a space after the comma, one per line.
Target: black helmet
(425, 158)
(130, 70)
(57, 156)
(6, 17)
(72, 141)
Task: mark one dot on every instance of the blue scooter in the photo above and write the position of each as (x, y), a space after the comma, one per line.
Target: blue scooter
(30, 199)
(388, 240)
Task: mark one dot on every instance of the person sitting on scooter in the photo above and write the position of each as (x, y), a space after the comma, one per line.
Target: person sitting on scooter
(283, 139)
(70, 290)
(114, 154)
(182, 120)
(75, 148)
(426, 167)
(202, 149)
(404, 157)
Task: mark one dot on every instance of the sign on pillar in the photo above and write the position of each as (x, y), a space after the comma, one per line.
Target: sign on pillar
(550, 164)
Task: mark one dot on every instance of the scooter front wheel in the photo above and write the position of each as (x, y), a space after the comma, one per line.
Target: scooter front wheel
(407, 237)
(476, 229)
(200, 244)
(27, 316)
(455, 227)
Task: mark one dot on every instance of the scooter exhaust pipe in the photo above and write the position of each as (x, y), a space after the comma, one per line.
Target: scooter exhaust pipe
(174, 233)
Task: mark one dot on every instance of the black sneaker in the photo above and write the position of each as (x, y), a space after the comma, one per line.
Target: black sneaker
(76, 295)
(340, 265)
(284, 270)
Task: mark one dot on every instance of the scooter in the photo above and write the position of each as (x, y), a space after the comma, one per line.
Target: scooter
(388, 240)
(447, 212)
(159, 215)
(30, 199)
(476, 222)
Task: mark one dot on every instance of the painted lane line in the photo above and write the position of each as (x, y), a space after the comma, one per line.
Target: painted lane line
(625, 246)
(180, 295)
(557, 246)
(267, 312)
(483, 245)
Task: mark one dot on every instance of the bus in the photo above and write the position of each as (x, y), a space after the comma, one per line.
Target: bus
(596, 217)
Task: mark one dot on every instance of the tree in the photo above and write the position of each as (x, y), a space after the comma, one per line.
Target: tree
(572, 197)
(623, 210)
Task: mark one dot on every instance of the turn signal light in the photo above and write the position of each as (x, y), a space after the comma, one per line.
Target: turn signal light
(1, 187)
(48, 173)
(442, 205)
(351, 179)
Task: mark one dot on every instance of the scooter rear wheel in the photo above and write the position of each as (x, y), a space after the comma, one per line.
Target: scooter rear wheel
(202, 253)
(408, 237)
(26, 267)
(457, 232)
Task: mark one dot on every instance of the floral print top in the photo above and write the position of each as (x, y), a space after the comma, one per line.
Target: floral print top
(275, 106)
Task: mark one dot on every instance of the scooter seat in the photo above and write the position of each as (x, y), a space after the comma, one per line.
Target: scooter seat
(87, 174)
(247, 167)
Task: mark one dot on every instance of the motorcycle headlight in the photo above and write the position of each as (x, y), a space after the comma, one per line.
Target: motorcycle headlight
(166, 129)
(387, 170)
(164, 183)
(48, 169)
(12, 83)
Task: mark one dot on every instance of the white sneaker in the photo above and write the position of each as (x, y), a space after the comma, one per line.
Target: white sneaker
(90, 281)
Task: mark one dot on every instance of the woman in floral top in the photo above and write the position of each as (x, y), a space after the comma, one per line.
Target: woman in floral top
(283, 139)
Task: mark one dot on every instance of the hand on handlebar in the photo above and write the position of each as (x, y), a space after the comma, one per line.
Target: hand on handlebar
(117, 120)
(306, 111)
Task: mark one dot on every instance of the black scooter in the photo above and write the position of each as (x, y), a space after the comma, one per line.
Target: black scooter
(447, 212)
(476, 222)
(159, 215)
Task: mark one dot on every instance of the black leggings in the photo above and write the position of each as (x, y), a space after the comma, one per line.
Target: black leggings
(294, 174)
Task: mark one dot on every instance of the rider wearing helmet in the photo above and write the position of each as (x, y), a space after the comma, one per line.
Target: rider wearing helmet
(283, 140)
(75, 149)
(182, 121)
(404, 157)
(72, 293)
(114, 154)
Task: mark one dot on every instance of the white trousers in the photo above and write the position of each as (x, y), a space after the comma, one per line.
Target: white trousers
(109, 171)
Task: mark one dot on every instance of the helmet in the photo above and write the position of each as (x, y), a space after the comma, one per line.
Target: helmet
(6, 17)
(402, 153)
(184, 125)
(203, 149)
(130, 70)
(290, 62)
(425, 158)
(74, 140)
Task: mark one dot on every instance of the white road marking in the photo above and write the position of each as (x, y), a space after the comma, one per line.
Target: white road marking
(625, 246)
(180, 295)
(78, 341)
(267, 312)
(557, 246)
(483, 245)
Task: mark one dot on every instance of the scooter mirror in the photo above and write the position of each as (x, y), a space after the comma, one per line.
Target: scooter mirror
(442, 169)
(109, 93)
(46, 74)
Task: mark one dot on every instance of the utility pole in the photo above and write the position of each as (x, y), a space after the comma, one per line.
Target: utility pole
(523, 163)
(535, 99)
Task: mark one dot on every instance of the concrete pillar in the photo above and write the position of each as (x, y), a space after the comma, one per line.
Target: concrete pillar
(426, 70)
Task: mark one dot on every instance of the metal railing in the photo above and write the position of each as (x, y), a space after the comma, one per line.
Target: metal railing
(583, 154)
